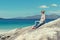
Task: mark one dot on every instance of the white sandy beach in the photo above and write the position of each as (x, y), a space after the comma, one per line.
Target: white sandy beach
(48, 31)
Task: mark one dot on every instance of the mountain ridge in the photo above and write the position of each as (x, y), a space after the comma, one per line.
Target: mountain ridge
(52, 16)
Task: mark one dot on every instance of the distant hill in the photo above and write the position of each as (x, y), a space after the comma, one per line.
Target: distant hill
(1, 18)
(52, 16)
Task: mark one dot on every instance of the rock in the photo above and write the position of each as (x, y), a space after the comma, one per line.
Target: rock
(48, 31)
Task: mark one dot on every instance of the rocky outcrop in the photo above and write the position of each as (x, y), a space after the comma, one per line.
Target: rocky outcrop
(48, 31)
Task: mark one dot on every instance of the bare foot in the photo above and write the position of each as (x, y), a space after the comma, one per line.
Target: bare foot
(34, 28)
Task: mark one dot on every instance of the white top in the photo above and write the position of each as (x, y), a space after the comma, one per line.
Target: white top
(42, 18)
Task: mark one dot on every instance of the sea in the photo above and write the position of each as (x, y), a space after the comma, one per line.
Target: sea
(8, 24)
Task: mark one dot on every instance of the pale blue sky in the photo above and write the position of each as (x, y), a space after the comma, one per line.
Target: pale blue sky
(23, 8)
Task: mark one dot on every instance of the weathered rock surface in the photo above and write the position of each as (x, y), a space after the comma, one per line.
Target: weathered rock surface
(48, 31)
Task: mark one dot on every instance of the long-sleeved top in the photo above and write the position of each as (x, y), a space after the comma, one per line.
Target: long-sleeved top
(42, 18)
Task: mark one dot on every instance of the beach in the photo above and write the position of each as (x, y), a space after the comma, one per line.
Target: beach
(48, 31)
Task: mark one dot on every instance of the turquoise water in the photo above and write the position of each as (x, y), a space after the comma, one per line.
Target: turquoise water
(17, 23)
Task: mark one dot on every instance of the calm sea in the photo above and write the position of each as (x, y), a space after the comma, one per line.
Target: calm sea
(18, 23)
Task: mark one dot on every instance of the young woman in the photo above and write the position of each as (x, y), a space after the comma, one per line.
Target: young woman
(42, 20)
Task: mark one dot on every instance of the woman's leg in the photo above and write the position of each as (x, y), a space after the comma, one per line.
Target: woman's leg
(40, 24)
(36, 24)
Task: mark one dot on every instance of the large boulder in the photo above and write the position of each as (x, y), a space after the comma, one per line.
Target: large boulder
(48, 31)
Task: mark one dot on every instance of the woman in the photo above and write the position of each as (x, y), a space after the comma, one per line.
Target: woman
(42, 20)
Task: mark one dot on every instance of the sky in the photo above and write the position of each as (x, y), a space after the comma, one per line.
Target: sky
(24, 8)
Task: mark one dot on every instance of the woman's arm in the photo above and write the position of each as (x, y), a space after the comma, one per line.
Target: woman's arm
(42, 18)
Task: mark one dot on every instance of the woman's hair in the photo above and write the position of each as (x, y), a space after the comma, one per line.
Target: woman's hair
(43, 11)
